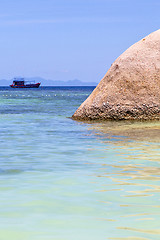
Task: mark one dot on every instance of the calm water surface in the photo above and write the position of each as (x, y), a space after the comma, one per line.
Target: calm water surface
(65, 180)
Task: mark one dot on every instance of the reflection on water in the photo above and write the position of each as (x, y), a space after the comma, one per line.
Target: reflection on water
(65, 180)
(139, 131)
(134, 176)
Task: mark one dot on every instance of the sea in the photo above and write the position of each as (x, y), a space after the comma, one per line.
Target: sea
(62, 179)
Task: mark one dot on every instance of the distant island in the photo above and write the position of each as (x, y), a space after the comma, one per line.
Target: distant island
(48, 82)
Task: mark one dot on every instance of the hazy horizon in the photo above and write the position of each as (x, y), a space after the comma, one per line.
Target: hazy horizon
(50, 82)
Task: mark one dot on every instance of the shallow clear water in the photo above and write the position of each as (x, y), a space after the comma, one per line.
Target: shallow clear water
(65, 180)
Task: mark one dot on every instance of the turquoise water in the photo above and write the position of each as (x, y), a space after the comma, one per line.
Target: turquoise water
(65, 180)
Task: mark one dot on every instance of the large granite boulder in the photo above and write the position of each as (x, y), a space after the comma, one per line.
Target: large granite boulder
(131, 87)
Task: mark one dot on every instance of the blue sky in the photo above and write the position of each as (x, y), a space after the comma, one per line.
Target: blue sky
(68, 39)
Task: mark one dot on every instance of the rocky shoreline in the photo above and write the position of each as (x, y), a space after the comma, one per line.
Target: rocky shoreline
(117, 112)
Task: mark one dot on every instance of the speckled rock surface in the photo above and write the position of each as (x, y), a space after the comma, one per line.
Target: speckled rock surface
(131, 87)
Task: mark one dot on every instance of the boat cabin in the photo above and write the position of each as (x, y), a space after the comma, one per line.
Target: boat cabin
(18, 83)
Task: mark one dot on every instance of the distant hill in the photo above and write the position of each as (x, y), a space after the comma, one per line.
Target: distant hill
(48, 82)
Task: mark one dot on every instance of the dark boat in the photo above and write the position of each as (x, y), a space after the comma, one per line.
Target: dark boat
(21, 83)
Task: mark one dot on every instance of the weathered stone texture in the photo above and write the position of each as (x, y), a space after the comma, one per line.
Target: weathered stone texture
(131, 87)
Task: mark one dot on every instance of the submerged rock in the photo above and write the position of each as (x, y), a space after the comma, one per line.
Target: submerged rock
(131, 87)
